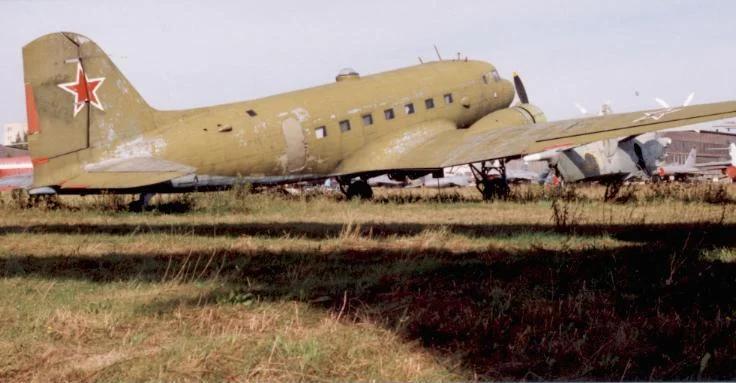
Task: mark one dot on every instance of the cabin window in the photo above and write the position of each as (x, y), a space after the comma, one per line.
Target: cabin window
(389, 114)
(251, 112)
(344, 125)
(448, 98)
(429, 103)
(367, 119)
(409, 108)
(320, 132)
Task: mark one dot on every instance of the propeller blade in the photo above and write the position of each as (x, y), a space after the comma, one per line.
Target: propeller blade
(689, 99)
(662, 103)
(581, 108)
(520, 90)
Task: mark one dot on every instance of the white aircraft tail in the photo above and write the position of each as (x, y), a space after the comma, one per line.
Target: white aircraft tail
(690, 161)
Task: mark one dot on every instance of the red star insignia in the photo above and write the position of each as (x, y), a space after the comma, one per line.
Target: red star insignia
(84, 90)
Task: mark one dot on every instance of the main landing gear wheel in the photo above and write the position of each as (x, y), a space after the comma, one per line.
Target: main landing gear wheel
(491, 186)
(494, 188)
(357, 189)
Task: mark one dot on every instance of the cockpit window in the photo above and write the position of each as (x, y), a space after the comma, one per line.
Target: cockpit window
(495, 75)
(491, 76)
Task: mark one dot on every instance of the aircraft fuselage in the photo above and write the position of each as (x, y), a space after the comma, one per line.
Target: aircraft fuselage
(307, 133)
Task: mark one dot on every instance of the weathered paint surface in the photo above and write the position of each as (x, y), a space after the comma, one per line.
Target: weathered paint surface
(296, 145)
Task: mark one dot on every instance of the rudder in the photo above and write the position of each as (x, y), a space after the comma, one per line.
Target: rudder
(690, 161)
(76, 101)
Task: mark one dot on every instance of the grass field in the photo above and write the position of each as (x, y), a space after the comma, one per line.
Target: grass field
(415, 286)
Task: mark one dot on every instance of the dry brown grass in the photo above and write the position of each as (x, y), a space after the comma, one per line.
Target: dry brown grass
(407, 288)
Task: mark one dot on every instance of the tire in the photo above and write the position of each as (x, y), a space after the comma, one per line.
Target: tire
(135, 206)
(359, 189)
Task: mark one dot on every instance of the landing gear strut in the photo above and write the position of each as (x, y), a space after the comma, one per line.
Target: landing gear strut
(491, 186)
(141, 203)
(612, 189)
(356, 189)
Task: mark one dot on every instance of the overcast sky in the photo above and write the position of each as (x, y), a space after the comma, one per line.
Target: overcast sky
(182, 54)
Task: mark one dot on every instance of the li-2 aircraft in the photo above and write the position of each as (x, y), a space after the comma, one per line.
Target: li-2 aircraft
(90, 131)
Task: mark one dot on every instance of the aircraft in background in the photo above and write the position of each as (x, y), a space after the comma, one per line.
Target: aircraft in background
(679, 172)
(616, 160)
(607, 161)
(461, 176)
(385, 181)
(727, 168)
(90, 131)
(16, 173)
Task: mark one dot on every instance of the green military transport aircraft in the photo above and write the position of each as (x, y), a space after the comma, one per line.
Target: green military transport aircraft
(90, 131)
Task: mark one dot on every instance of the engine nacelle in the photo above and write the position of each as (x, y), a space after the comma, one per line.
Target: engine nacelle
(522, 114)
(535, 114)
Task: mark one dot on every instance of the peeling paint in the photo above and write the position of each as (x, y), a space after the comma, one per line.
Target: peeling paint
(137, 164)
(111, 136)
(296, 150)
(139, 147)
(283, 162)
(241, 138)
(257, 128)
(122, 86)
(301, 114)
(404, 143)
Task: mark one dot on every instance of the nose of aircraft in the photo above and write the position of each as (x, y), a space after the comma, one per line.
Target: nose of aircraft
(504, 90)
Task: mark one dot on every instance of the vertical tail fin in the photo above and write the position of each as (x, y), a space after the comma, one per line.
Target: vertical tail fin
(76, 101)
(690, 161)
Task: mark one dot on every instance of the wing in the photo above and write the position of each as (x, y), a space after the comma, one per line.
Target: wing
(439, 144)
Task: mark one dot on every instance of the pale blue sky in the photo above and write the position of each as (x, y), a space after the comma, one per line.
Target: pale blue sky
(182, 54)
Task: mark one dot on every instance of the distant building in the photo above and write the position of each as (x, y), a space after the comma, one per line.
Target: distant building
(15, 134)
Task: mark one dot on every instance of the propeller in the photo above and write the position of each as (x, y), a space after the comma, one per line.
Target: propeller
(665, 105)
(689, 99)
(662, 103)
(606, 109)
(520, 90)
(581, 108)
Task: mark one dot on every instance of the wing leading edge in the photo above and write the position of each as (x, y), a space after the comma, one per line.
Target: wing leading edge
(438, 144)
